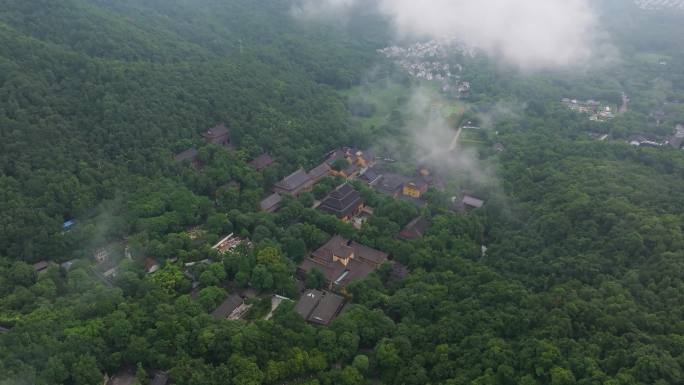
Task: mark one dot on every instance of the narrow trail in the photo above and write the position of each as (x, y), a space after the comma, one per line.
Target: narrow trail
(454, 142)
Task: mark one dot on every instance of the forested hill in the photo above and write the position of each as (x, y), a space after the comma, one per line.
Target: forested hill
(94, 91)
(569, 272)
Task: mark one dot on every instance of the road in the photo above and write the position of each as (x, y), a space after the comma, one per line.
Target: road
(625, 102)
(454, 142)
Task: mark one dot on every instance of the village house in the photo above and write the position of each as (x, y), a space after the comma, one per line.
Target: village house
(344, 202)
(343, 261)
(228, 306)
(415, 229)
(415, 188)
(271, 204)
(219, 135)
(643, 141)
(101, 255)
(228, 243)
(355, 162)
(41, 267)
(469, 203)
(261, 162)
(301, 181)
(319, 307)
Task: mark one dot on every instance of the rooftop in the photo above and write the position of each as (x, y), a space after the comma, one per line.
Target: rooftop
(319, 172)
(217, 131)
(308, 302)
(473, 202)
(294, 181)
(271, 203)
(327, 309)
(415, 229)
(227, 306)
(40, 266)
(189, 154)
(344, 201)
(261, 162)
(319, 307)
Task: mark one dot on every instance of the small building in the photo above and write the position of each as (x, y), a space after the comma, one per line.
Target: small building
(228, 306)
(344, 202)
(294, 184)
(370, 177)
(498, 147)
(111, 273)
(643, 141)
(415, 229)
(41, 267)
(228, 243)
(319, 307)
(308, 302)
(68, 225)
(3, 330)
(342, 261)
(219, 135)
(469, 203)
(191, 156)
(151, 265)
(262, 162)
(415, 188)
(356, 161)
(272, 203)
(328, 308)
(109, 252)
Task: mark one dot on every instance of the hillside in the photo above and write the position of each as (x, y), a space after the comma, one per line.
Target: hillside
(359, 218)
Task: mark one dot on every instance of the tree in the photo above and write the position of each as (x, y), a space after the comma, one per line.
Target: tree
(85, 371)
(361, 363)
(262, 279)
(315, 279)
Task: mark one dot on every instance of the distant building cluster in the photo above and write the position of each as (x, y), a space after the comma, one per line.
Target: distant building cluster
(676, 140)
(596, 110)
(659, 4)
(429, 61)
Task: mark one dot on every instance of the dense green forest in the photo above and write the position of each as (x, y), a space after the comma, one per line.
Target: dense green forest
(582, 281)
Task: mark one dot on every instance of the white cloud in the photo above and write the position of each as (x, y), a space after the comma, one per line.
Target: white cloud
(529, 34)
